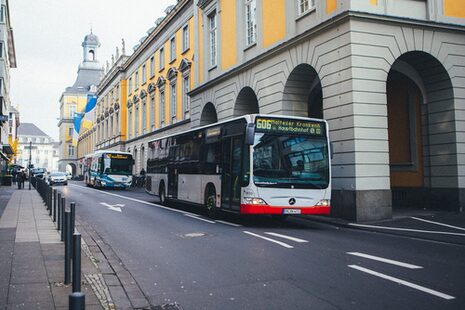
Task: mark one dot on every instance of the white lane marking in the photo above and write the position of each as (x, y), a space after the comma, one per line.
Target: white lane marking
(116, 207)
(199, 218)
(286, 237)
(227, 223)
(385, 260)
(133, 199)
(437, 223)
(407, 229)
(271, 240)
(403, 282)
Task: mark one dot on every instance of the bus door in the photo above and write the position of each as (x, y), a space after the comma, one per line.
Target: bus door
(173, 172)
(172, 181)
(231, 173)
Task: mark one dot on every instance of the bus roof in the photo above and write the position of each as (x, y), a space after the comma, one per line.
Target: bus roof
(248, 118)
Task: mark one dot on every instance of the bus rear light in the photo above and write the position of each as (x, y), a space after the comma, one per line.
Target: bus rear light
(323, 202)
(254, 201)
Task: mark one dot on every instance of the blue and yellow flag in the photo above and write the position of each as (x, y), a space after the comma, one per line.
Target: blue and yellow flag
(77, 119)
(89, 112)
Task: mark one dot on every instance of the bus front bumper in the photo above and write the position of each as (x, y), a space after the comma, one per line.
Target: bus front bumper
(275, 210)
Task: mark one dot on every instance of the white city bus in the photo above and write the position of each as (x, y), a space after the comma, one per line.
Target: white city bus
(108, 169)
(254, 164)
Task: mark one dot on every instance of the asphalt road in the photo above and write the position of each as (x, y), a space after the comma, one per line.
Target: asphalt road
(176, 254)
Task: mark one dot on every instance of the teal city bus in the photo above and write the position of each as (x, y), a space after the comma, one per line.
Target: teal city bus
(108, 169)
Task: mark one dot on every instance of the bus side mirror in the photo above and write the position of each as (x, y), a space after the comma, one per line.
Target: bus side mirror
(331, 149)
(250, 134)
(133, 161)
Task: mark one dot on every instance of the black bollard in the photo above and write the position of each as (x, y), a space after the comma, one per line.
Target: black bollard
(77, 301)
(72, 209)
(76, 262)
(50, 201)
(46, 197)
(59, 212)
(68, 248)
(54, 205)
(63, 208)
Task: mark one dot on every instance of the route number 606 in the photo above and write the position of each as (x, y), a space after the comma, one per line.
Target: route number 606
(263, 124)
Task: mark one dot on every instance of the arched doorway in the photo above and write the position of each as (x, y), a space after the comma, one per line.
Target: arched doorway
(142, 158)
(303, 95)
(135, 168)
(208, 115)
(71, 168)
(419, 100)
(246, 102)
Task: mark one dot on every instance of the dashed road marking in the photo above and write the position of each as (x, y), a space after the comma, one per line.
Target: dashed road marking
(385, 260)
(228, 223)
(199, 218)
(286, 237)
(271, 240)
(437, 223)
(407, 229)
(403, 282)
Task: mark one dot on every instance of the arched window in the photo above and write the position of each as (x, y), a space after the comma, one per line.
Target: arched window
(91, 55)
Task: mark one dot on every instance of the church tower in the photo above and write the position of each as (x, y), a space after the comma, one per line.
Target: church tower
(90, 47)
(74, 100)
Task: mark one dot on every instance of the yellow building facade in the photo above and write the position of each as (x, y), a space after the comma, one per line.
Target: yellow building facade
(344, 61)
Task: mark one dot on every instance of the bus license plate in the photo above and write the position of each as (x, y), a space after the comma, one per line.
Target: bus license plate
(291, 211)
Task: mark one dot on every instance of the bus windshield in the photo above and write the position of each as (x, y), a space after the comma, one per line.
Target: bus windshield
(115, 165)
(290, 161)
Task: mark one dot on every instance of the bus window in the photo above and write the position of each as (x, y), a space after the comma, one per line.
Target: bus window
(212, 157)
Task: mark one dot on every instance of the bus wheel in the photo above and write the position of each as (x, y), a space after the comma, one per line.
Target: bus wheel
(210, 201)
(161, 194)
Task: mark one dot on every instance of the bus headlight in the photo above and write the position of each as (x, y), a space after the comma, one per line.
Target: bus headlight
(323, 202)
(254, 201)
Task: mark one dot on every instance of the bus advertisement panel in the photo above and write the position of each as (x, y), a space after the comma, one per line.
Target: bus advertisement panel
(107, 169)
(255, 164)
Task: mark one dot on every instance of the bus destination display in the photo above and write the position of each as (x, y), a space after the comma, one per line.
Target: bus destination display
(288, 126)
(116, 156)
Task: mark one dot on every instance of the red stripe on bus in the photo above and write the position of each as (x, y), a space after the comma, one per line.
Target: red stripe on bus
(265, 209)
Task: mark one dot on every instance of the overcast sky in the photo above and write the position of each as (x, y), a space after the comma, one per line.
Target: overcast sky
(48, 36)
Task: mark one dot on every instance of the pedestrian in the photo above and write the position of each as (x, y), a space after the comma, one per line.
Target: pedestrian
(15, 175)
(142, 172)
(20, 179)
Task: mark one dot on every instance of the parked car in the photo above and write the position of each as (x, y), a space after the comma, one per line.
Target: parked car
(57, 177)
(38, 172)
(69, 175)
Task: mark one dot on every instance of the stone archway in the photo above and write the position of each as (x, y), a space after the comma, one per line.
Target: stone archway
(142, 158)
(71, 167)
(246, 102)
(135, 169)
(422, 140)
(303, 95)
(209, 115)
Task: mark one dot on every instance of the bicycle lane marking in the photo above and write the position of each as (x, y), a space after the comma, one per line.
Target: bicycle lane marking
(186, 213)
(135, 200)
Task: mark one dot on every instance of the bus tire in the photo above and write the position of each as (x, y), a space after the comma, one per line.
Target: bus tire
(210, 201)
(162, 194)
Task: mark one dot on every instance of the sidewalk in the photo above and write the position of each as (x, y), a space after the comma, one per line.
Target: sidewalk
(32, 256)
